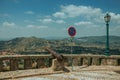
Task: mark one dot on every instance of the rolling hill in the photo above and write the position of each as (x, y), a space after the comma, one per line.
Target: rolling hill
(93, 44)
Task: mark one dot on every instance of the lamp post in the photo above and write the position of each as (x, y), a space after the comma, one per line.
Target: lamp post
(107, 20)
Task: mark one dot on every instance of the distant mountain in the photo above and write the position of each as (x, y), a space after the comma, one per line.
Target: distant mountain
(93, 44)
(54, 38)
(23, 44)
(5, 39)
(99, 41)
(93, 39)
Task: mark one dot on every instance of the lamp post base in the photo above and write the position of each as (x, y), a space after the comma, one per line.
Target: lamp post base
(107, 53)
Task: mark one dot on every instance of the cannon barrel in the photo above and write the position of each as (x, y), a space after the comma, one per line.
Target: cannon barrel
(56, 55)
(60, 59)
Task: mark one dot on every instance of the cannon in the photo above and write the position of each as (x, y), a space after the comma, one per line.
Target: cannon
(55, 55)
(59, 58)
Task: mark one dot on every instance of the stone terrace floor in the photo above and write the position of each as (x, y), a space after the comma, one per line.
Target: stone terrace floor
(77, 73)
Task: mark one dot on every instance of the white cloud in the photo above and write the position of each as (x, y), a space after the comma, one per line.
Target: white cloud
(47, 20)
(36, 26)
(85, 18)
(83, 23)
(87, 24)
(47, 16)
(60, 21)
(39, 27)
(75, 11)
(28, 21)
(115, 18)
(31, 26)
(8, 24)
(59, 15)
(29, 12)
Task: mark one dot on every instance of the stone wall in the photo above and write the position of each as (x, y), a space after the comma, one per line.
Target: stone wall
(15, 62)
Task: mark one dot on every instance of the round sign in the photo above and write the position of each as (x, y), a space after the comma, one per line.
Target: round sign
(72, 31)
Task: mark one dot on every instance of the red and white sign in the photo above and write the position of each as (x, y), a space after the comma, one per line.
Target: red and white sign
(71, 31)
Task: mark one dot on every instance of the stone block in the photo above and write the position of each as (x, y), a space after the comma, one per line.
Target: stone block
(104, 61)
(1, 65)
(13, 64)
(112, 62)
(87, 61)
(28, 63)
(76, 61)
(56, 66)
(40, 63)
(96, 61)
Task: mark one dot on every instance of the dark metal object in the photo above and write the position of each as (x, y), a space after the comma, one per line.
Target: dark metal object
(55, 55)
(60, 59)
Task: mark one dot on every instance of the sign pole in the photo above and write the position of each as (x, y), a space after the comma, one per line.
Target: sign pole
(72, 33)
(72, 52)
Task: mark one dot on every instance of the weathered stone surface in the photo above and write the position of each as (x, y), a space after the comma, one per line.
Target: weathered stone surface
(28, 63)
(66, 61)
(103, 61)
(13, 64)
(76, 61)
(118, 62)
(47, 61)
(112, 62)
(81, 61)
(56, 66)
(87, 61)
(40, 63)
(96, 61)
(1, 65)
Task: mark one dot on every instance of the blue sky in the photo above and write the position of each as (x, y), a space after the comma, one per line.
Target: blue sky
(51, 18)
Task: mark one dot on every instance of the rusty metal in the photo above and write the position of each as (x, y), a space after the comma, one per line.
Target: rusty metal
(55, 55)
(60, 59)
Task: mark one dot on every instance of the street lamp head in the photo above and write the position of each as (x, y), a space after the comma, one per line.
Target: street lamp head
(107, 18)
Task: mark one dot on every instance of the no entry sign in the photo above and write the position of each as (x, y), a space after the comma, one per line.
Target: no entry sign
(71, 31)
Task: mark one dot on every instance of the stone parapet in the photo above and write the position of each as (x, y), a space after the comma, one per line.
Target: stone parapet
(43, 61)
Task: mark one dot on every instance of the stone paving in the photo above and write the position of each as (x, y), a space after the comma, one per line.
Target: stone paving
(77, 73)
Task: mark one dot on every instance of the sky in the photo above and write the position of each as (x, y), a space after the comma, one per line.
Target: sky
(52, 18)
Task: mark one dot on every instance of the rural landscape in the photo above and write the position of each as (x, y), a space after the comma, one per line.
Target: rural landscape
(83, 45)
(59, 40)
